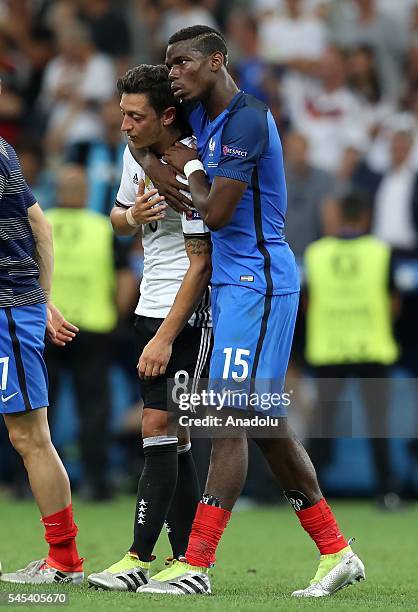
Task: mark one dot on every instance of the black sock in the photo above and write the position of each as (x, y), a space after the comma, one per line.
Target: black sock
(183, 506)
(155, 491)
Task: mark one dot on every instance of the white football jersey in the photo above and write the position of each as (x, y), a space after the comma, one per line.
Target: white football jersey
(165, 258)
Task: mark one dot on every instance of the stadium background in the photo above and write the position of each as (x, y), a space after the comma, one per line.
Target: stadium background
(341, 77)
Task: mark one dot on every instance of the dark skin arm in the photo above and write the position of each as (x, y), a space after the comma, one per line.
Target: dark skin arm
(217, 202)
(163, 178)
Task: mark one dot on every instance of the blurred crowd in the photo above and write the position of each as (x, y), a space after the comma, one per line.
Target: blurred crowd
(341, 78)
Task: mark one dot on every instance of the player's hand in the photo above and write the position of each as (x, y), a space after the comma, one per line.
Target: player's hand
(169, 187)
(154, 359)
(58, 330)
(147, 208)
(178, 155)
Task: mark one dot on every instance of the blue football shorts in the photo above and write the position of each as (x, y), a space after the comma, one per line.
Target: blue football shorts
(23, 374)
(253, 336)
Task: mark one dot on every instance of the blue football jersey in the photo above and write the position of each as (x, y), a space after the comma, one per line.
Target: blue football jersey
(19, 271)
(243, 143)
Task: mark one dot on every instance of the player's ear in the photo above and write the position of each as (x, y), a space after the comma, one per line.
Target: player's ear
(216, 61)
(168, 116)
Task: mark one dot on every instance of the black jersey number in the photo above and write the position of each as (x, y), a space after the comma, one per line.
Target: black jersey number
(153, 226)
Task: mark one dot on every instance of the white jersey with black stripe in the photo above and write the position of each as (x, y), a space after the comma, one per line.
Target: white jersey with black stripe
(165, 258)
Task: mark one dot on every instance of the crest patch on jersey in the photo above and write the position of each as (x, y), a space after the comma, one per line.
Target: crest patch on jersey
(192, 215)
(234, 151)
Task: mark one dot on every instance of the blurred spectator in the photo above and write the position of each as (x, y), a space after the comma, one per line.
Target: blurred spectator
(326, 112)
(85, 286)
(76, 83)
(363, 81)
(60, 14)
(109, 29)
(349, 334)
(179, 14)
(31, 44)
(252, 73)
(292, 35)
(309, 204)
(313, 7)
(40, 179)
(378, 155)
(396, 200)
(395, 220)
(398, 12)
(394, 195)
(103, 159)
(12, 103)
(309, 191)
(362, 24)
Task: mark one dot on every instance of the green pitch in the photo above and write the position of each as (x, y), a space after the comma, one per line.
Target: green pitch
(264, 556)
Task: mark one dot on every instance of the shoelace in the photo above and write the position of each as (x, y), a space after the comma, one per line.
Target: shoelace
(32, 568)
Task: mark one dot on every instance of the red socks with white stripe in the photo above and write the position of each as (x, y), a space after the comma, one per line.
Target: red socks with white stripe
(210, 522)
(60, 533)
(319, 522)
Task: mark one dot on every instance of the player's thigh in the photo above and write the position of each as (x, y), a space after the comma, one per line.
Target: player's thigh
(28, 430)
(23, 374)
(252, 339)
(153, 391)
(190, 356)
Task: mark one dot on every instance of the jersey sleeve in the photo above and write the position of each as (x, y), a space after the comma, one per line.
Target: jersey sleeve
(193, 224)
(127, 188)
(244, 138)
(191, 221)
(28, 196)
(26, 193)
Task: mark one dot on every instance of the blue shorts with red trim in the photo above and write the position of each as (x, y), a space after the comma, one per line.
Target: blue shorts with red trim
(253, 336)
(23, 374)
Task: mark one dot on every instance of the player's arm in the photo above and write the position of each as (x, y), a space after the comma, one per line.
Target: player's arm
(156, 355)
(148, 207)
(217, 202)
(42, 233)
(243, 140)
(58, 330)
(163, 177)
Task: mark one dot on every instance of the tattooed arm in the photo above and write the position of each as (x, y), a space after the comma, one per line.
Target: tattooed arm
(157, 353)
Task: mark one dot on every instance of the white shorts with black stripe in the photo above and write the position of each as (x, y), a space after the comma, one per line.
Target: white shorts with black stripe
(191, 353)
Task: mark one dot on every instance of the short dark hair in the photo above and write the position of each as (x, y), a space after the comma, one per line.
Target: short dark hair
(206, 40)
(354, 206)
(152, 81)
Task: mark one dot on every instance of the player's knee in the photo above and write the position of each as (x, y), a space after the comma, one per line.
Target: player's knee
(228, 447)
(183, 436)
(26, 440)
(154, 423)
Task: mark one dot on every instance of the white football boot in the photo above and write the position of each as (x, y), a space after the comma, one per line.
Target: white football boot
(40, 572)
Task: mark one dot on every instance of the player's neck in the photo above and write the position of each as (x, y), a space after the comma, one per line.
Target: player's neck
(170, 136)
(220, 96)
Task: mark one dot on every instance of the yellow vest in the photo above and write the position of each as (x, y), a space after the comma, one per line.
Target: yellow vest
(83, 286)
(349, 312)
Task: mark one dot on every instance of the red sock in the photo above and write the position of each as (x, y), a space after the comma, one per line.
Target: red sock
(319, 522)
(208, 526)
(60, 533)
